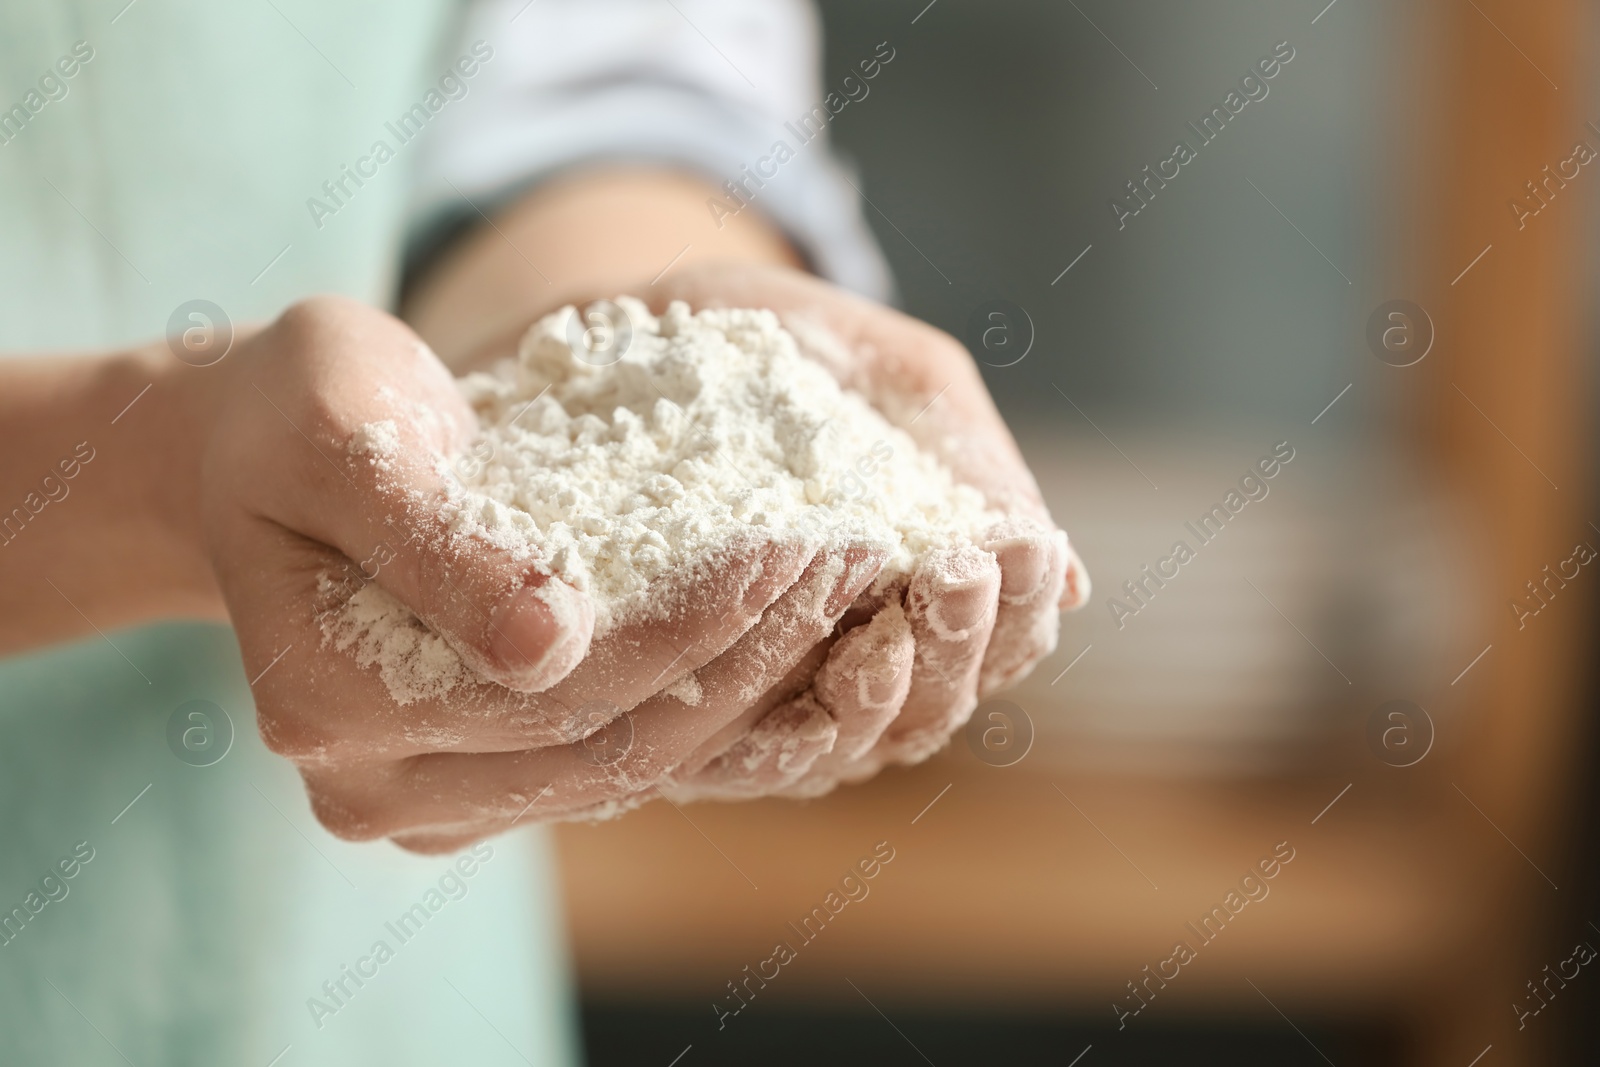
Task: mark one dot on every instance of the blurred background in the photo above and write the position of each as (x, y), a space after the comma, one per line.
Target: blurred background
(1341, 675)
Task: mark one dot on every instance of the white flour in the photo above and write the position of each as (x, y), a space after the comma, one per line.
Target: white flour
(708, 428)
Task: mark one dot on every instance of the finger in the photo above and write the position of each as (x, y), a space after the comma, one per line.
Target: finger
(698, 615)
(460, 793)
(867, 678)
(1076, 589)
(363, 471)
(863, 685)
(776, 752)
(950, 606)
(326, 690)
(763, 674)
(1033, 573)
(798, 679)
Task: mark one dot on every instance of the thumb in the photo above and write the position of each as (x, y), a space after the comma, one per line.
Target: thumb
(501, 608)
(379, 493)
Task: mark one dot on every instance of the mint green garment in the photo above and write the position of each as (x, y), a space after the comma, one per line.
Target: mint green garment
(205, 907)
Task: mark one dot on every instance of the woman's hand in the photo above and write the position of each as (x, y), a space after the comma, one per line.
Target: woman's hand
(322, 467)
(837, 708)
(972, 620)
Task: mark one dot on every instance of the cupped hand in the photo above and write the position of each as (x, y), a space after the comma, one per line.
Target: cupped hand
(895, 686)
(788, 689)
(324, 464)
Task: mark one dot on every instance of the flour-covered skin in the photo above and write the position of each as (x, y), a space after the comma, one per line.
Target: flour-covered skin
(806, 579)
(976, 617)
(664, 733)
(625, 466)
(320, 498)
(620, 470)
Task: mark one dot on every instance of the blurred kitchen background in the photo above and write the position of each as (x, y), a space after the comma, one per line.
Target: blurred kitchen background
(1129, 784)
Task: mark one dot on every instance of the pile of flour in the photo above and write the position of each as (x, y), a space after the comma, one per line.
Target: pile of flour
(646, 447)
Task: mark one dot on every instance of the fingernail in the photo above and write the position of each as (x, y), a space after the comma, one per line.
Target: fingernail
(959, 593)
(881, 686)
(540, 634)
(959, 609)
(1024, 564)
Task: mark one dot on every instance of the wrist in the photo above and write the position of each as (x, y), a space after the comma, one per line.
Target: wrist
(166, 411)
(100, 490)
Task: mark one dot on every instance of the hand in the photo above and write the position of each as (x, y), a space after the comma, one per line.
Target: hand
(889, 691)
(293, 489)
(972, 621)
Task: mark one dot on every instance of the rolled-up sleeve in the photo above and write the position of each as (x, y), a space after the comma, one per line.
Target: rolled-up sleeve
(706, 85)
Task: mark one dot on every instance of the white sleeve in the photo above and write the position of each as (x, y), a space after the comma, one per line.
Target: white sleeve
(703, 84)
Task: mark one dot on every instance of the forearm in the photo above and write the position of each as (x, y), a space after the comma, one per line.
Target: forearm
(586, 235)
(98, 517)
